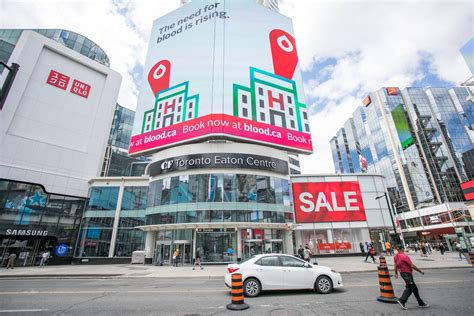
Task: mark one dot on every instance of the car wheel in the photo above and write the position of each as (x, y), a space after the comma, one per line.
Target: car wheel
(323, 284)
(252, 287)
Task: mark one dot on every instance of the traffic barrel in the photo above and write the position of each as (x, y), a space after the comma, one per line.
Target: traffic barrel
(471, 257)
(387, 294)
(383, 262)
(237, 294)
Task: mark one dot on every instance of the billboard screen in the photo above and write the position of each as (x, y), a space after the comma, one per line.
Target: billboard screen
(328, 202)
(402, 127)
(221, 70)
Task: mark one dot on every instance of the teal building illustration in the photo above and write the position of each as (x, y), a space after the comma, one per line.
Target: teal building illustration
(270, 99)
(172, 106)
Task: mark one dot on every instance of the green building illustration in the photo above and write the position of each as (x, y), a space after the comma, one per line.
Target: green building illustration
(270, 99)
(172, 106)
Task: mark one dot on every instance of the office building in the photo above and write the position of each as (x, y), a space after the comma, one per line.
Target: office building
(421, 141)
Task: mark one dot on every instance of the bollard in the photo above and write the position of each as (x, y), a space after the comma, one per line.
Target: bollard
(237, 294)
(386, 289)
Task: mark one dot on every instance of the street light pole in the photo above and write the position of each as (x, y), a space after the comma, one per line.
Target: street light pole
(391, 215)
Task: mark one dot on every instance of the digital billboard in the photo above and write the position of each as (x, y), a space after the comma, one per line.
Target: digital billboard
(402, 127)
(224, 69)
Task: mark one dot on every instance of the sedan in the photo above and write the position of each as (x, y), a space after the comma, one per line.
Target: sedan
(282, 272)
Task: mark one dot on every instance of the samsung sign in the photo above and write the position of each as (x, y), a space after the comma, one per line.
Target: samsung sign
(218, 160)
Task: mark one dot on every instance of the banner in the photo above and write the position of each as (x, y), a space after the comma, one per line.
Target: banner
(328, 202)
(221, 70)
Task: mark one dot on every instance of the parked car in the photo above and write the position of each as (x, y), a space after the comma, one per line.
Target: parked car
(282, 272)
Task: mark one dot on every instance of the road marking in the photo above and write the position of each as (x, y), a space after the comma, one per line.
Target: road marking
(197, 291)
(23, 310)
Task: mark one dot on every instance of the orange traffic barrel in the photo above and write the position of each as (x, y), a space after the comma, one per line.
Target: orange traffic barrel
(471, 257)
(383, 262)
(387, 294)
(237, 294)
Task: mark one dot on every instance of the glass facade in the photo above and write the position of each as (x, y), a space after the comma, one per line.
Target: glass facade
(74, 41)
(198, 198)
(33, 221)
(100, 224)
(432, 133)
(117, 162)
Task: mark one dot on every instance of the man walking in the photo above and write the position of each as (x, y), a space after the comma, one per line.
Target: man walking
(44, 258)
(197, 259)
(404, 264)
(371, 252)
(388, 248)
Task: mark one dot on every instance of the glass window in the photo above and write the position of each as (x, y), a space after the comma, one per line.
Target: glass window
(215, 188)
(103, 198)
(291, 262)
(246, 188)
(134, 198)
(166, 191)
(272, 261)
(229, 188)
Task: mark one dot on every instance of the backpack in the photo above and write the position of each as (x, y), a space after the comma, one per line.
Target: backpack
(372, 251)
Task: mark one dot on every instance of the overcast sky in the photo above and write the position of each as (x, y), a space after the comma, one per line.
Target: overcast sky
(347, 48)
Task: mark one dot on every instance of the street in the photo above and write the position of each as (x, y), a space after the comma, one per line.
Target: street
(448, 291)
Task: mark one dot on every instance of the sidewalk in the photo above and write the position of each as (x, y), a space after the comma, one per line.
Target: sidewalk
(340, 264)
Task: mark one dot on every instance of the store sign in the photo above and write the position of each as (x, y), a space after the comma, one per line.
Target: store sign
(215, 230)
(61, 250)
(468, 190)
(61, 81)
(255, 95)
(335, 246)
(328, 202)
(218, 160)
(26, 232)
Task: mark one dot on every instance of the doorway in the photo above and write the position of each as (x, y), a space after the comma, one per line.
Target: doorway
(27, 249)
(252, 247)
(184, 247)
(162, 253)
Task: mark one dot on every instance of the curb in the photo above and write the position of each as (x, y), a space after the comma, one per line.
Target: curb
(123, 276)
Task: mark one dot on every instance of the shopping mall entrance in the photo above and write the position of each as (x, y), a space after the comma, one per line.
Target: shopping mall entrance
(28, 249)
(217, 245)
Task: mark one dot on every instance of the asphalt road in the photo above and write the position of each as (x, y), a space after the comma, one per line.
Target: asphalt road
(449, 292)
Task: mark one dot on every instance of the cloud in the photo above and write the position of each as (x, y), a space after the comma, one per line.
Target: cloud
(121, 28)
(371, 44)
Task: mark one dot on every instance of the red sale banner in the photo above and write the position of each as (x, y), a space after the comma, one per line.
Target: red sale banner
(215, 124)
(328, 202)
(335, 246)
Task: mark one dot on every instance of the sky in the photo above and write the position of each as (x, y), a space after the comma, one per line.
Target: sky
(347, 48)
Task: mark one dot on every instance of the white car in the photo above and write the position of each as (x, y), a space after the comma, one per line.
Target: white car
(282, 272)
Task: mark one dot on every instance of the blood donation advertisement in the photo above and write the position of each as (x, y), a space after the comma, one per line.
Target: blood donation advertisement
(221, 69)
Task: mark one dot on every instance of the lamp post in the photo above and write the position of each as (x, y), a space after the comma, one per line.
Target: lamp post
(5, 87)
(391, 216)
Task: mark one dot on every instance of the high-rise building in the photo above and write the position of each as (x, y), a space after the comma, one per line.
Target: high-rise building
(117, 162)
(54, 124)
(421, 141)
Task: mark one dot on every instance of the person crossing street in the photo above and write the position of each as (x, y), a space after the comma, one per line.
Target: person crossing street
(404, 265)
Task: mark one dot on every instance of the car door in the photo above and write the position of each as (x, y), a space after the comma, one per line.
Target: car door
(295, 274)
(269, 271)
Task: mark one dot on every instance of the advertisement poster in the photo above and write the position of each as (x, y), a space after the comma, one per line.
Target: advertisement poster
(225, 69)
(328, 202)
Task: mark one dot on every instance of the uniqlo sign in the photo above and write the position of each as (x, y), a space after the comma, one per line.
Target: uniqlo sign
(57, 79)
(328, 202)
(80, 88)
(61, 81)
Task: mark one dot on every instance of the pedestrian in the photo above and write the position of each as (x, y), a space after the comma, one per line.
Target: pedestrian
(371, 252)
(301, 252)
(367, 246)
(404, 264)
(361, 246)
(428, 247)
(306, 253)
(176, 257)
(457, 246)
(197, 259)
(423, 249)
(441, 248)
(44, 257)
(11, 260)
(388, 248)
